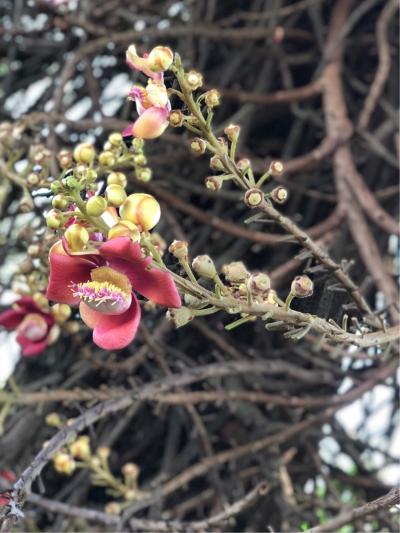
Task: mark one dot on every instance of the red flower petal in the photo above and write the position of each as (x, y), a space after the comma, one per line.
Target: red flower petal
(11, 318)
(112, 332)
(127, 131)
(153, 283)
(65, 270)
(31, 348)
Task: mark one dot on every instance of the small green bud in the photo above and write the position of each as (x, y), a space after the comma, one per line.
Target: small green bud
(115, 195)
(72, 183)
(140, 159)
(95, 206)
(59, 202)
(253, 198)
(117, 178)
(56, 187)
(107, 159)
(115, 139)
(137, 144)
(144, 174)
(54, 219)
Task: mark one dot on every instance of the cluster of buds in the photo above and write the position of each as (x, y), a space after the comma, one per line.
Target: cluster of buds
(79, 455)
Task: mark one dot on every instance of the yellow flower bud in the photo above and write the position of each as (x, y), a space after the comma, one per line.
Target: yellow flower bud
(103, 453)
(113, 508)
(216, 163)
(115, 195)
(232, 131)
(302, 287)
(117, 178)
(53, 420)
(160, 59)
(148, 213)
(198, 146)
(61, 312)
(140, 159)
(80, 449)
(279, 195)
(41, 301)
(96, 205)
(156, 93)
(84, 153)
(64, 463)
(77, 236)
(115, 139)
(276, 168)
(214, 183)
(235, 272)
(59, 201)
(125, 228)
(107, 159)
(33, 179)
(142, 209)
(130, 471)
(65, 158)
(144, 174)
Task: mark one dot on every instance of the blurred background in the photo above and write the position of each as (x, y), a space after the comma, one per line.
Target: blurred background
(64, 80)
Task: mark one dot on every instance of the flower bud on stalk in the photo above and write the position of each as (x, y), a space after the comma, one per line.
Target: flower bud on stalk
(301, 287)
(216, 163)
(115, 139)
(176, 118)
(115, 195)
(253, 198)
(107, 159)
(179, 249)
(144, 174)
(53, 420)
(117, 178)
(214, 183)
(95, 206)
(130, 471)
(140, 159)
(276, 168)
(212, 98)
(279, 195)
(204, 266)
(259, 283)
(80, 449)
(84, 153)
(194, 80)
(59, 202)
(64, 463)
(142, 209)
(77, 236)
(243, 164)
(232, 131)
(33, 179)
(54, 219)
(198, 146)
(61, 312)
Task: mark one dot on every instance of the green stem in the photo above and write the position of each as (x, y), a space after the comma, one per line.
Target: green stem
(239, 322)
(289, 300)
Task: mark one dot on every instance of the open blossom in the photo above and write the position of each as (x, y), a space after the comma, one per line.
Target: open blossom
(152, 102)
(153, 107)
(32, 324)
(103, 285)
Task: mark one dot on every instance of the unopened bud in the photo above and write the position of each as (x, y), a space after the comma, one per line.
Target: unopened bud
(194, 80)
(41, 301)
(140, 160)
(53, 420)
(33, 250)
(214, 183)
(117, 178)
(107, 159)
(61, 312)
(232, 131)
(95, 206)
(77, 236)
(138, 144)
(235, 272)
(59, 202)
(253, 198)
(130, 471)
(64, 463)
(216, 163)
(142, 209)
(55, 187)
(103, 453)
(270, 297)
(302, 287)
(279, 195)
(212, 98)
(144, 174)
(259, 283)
(80, 449)
(84, 153)
(160, 59)
(115, 195)
(198, 146)
(33, 179)
(180, 317)
(204, 266)
(276, 168)
(243, 164)
(115, 139)
(54, 219)
(125, 228)
(179, 249)
(71, 182)
(113, 508)
(65, 158)
(176, 118)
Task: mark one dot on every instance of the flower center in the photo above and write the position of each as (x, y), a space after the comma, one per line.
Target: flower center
(33, 327)
(109, 292)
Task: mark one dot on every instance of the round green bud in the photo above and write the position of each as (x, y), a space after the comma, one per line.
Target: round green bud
(95, 206)
(84, 153)
(59, 202)
(115, 139)
(107, 159)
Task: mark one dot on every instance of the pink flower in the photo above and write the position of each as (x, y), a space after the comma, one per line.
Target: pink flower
(32, 324)
(103, 285)
(153, 107)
